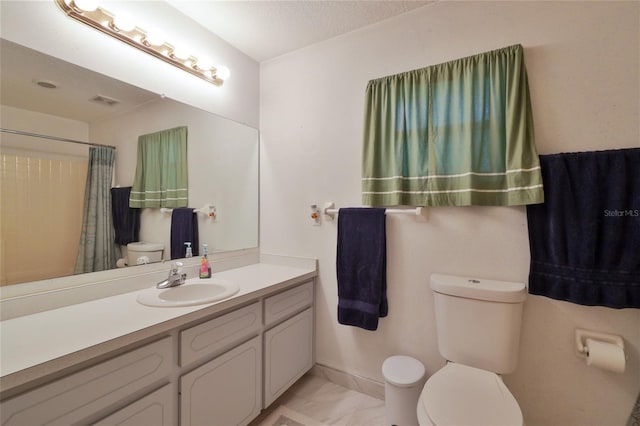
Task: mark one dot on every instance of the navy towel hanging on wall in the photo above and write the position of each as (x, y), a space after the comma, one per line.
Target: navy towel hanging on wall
(361, 266)
(585, 238)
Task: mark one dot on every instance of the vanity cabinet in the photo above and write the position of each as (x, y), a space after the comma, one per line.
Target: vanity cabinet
(221, 371)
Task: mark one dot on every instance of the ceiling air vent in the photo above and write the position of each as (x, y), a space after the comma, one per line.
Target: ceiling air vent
(47, 84)
(104, 100)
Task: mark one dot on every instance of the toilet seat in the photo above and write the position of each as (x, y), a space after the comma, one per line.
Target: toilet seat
(462, 395)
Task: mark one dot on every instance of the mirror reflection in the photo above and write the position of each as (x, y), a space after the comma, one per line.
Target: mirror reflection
(44, 179)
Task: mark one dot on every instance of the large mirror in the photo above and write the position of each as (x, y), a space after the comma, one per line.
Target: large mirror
(43, 178)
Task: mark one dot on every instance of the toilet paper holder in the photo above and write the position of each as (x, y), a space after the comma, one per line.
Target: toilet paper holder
(583, 335)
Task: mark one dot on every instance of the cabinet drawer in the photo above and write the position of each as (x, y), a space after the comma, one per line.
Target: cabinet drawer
(288, 302)
(155, 409)
(75, 397)
(220, 333)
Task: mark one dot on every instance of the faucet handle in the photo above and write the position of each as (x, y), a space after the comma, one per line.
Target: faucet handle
(176, 268)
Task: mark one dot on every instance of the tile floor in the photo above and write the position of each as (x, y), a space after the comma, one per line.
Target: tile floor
(329, 403)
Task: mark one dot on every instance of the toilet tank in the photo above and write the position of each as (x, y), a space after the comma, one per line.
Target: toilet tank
(478, 321)
(141, 253)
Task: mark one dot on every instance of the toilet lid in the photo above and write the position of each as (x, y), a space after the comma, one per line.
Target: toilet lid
(463, 395)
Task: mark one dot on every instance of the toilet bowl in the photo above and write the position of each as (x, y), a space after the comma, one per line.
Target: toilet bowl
(478, 328)
(462, 395)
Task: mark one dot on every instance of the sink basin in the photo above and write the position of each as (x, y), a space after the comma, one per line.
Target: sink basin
(194, 291)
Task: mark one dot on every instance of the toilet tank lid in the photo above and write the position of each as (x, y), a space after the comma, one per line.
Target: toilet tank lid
(142, 246)
(479, 288)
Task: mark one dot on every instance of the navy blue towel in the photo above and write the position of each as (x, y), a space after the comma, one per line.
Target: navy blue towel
(361, 264)
(126, 221)
(585, 238)
(184, 228)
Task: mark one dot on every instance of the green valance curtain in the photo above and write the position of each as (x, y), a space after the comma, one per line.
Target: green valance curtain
(458, 133)
(161, 171)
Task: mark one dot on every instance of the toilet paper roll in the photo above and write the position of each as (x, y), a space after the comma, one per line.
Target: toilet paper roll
(120, 263)
(606, 356)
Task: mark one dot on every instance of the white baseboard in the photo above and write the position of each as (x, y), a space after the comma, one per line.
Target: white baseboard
(361, 384)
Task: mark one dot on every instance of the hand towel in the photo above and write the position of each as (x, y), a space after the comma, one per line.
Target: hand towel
(184, 228)
(126, 221)
(585, 238)
(361, 264)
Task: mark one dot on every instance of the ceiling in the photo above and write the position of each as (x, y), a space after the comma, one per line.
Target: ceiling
(21, 68)
(264, 29)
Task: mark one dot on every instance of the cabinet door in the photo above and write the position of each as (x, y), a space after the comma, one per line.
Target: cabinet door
(288, 354)
(155, 409)
(226, 390)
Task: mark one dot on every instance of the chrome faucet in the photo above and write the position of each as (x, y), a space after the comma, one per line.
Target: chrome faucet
(176, 277)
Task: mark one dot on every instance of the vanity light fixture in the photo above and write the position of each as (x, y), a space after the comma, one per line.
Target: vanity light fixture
(123, 28)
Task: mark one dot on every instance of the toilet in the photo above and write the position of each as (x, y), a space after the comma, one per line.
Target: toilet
(478, 327)
(141, 253)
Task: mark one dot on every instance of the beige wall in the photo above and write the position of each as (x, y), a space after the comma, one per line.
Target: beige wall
(44, 124)
(583, 63)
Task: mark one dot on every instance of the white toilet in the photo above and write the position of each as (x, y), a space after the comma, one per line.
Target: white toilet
(478, 325)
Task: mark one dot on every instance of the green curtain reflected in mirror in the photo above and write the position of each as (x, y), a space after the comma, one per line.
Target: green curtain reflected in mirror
(161, 172)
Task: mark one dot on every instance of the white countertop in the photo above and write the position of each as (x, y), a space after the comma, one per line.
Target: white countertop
(39, 344)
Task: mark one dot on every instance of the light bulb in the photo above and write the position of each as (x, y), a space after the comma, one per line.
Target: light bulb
(223, 72)
(181, 52)
(86, 5)
(155, 37)
(124, 21)
(204, 64)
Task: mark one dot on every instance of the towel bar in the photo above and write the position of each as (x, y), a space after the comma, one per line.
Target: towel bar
(330, 211)
(207, 210)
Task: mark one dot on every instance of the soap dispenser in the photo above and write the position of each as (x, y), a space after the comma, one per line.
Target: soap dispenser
(189, 252)
(205, 268)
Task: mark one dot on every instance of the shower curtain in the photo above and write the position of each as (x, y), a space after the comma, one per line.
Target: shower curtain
(97, 251)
